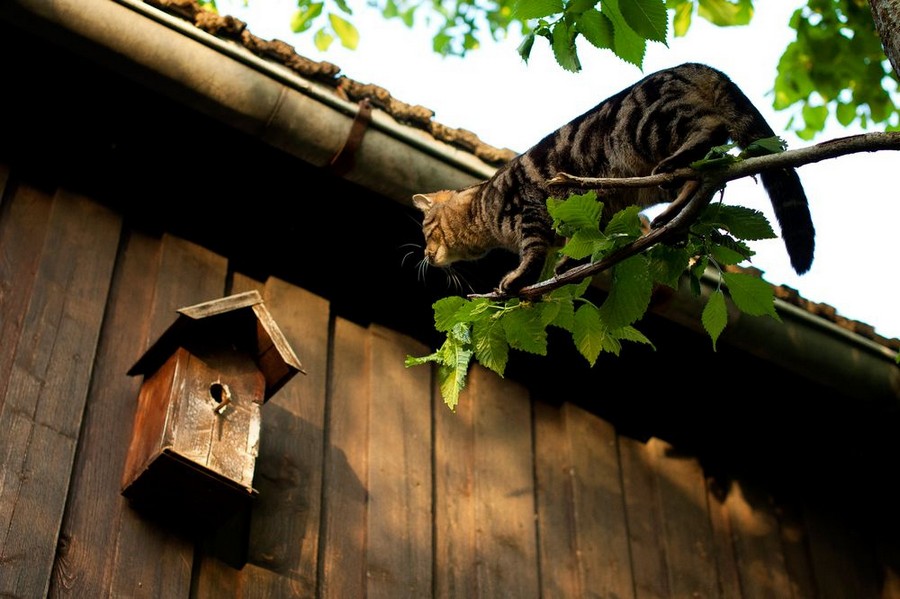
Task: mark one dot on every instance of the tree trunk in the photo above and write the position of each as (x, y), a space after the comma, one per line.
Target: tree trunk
(886, 14)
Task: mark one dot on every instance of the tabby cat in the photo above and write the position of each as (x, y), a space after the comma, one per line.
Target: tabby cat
(661, 123)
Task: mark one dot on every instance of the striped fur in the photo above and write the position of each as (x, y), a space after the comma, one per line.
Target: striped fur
(661, 123)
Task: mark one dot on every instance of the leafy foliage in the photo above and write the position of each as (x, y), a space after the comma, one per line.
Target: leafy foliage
(486, 330)
(836, 67)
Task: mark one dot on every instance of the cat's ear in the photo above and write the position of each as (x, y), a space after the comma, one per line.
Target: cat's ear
(423, 202)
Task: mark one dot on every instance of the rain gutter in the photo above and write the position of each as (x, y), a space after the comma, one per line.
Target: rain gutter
(310, 121)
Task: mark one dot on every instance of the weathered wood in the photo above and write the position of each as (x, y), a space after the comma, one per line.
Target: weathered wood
(150, 559)
(399, 540)
(343, 568)
(687, 535)
(645, 527)
(602, 533)
(454, 496)
(796, 553)
(757, 542)
(23, 225)
(48, 385)
(842, 559)
(284, 527)
(95, 507)
(723, 540)
(188, 274)
(557, 523)
(505, 530)
(285, 533)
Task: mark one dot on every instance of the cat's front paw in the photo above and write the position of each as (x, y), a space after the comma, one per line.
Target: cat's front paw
(510, 285)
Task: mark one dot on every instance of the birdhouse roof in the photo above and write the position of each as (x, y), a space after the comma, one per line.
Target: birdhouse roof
(241, 320)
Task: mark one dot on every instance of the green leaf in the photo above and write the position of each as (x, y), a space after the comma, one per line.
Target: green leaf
(723, 254)
(814, 117)
(578, 211)
(453, 364)
(726, 13)
(524, 330)
(323, 40)
(564, 317)
(525, 47)
(845, 113)
(589, 333)
(584, 243)
(625, 224)
(304, 17)
(764, 147)
(420, 360)
(390, 10)
(648, 18)
(629, 295)
(596, 28)
(630, 333)
(715, 316)
(343, 6)
(751, 294)
(345, 31)
(667, 264)
(627, 45)
(563, 44)
(445, 310)
(577, 7)
(681, 22)
(536, 9)
(740, 221)
(491, 347)
(452, 381)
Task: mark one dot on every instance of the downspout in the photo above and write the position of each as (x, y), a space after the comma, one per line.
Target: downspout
(311, 122)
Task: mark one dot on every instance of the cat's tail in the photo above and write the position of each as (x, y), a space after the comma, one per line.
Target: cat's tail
(783, 187)
(792, 211)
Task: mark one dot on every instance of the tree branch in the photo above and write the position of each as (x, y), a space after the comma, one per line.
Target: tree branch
(702, 185)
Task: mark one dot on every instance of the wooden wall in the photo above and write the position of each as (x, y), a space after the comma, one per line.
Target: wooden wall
(368, 485)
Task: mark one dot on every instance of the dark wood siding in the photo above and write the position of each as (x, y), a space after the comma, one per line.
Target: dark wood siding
(368, 485)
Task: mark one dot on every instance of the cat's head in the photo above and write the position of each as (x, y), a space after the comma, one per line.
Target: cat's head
(450, 235)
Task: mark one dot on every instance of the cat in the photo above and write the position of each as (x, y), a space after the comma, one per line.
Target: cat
(664, 122)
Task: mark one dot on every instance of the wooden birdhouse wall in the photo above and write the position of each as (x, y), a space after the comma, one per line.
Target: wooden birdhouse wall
(220, 429)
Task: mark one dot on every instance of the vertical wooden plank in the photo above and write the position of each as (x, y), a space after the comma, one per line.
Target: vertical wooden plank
(556, 517)
(150, 559)
(505, 538)
(399, 524)
(285, 522)
(48, 386)
(602, 535)
(95, 507)
(723, 543)
(842, 558)
(645, 528)
(23, 225)
(454, 496)
(343, 570)
(188, 274)
(757, 542)
(795, 543)
(686, 526)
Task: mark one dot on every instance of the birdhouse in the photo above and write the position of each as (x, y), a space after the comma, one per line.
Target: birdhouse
(196, 431)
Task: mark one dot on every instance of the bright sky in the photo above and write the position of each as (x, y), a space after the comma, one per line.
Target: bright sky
(509, 104)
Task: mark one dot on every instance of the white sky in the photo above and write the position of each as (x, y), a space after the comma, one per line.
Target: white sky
(509, 104)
